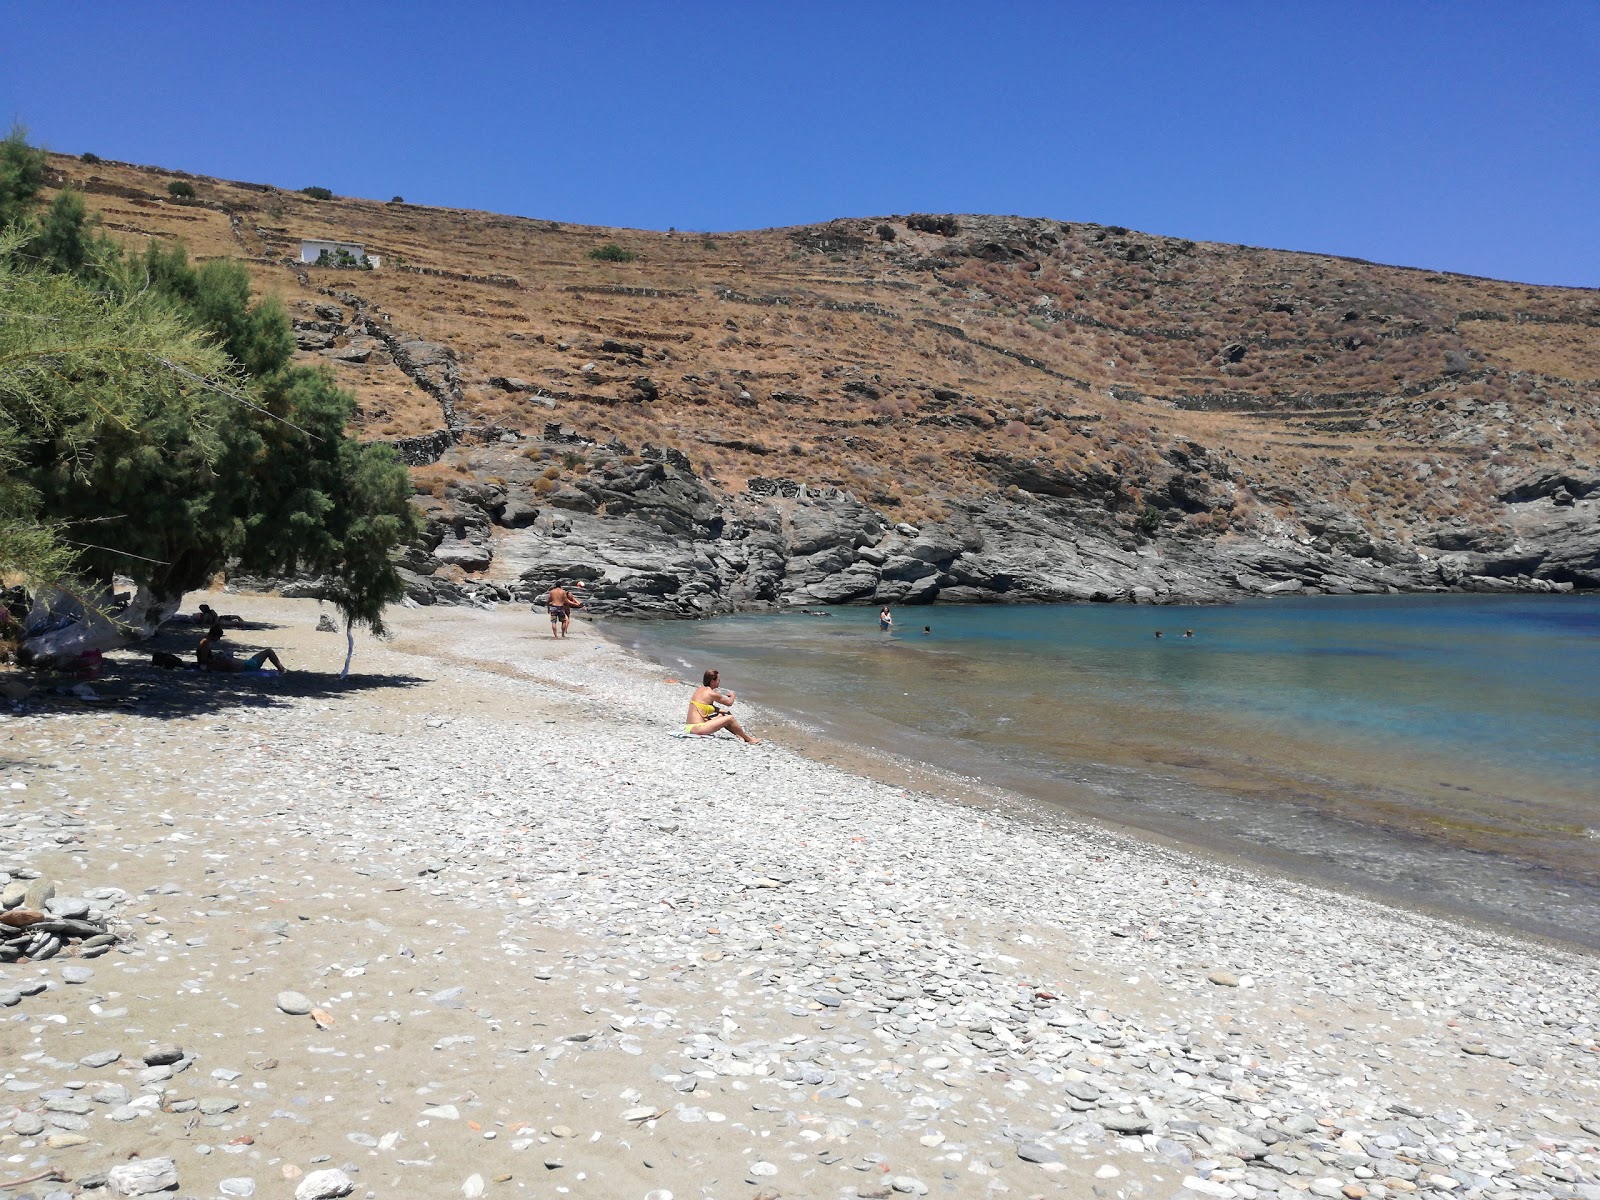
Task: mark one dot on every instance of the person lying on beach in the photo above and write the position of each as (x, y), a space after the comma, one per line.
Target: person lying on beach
(561, 603)
(208, 616)
(706, 714)
(212, 656)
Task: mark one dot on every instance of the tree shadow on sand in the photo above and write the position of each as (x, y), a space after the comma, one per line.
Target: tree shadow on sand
(131, 684)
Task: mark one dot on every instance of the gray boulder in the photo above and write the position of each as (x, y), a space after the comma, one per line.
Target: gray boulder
(469, 556)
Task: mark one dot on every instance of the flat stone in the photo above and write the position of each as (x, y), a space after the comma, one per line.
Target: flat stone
(1033, 1152)
(72, 907)
(1128, 1123)
(1208, 1187)
(324, 1185)
(142, 1178)
(239, 1185)
(77, 974)
(65, 1141)
(214, 1106)
(27, 1124)
(293, 1003)
(161, 1054)
(100, 1058)
(1224, 978)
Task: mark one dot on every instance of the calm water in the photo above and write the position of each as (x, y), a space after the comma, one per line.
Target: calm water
(1441, 750)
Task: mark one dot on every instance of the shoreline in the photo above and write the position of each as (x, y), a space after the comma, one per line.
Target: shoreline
(1350, 832)
(543, 931)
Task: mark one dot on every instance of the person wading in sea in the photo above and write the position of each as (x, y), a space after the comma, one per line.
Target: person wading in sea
(560, 604)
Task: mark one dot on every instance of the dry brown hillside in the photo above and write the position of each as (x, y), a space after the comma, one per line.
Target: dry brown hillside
(922, 362)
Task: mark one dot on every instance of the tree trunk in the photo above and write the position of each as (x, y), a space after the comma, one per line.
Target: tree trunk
(349, 647)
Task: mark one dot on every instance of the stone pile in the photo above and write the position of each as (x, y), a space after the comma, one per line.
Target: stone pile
(37, 923)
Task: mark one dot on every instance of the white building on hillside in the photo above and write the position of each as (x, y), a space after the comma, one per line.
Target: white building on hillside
(312, 250)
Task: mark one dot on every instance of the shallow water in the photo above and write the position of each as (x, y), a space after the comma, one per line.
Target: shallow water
(1439, 750)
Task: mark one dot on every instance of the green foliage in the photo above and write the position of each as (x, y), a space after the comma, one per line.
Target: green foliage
(397, 200)
(21, 175)
(944, 225)
(80, 373)
(317, 193)
(1148, 520)
(611, 252)
(64, 239)
(342, 259)
(89, 158)
(152, 424)
(180, 190)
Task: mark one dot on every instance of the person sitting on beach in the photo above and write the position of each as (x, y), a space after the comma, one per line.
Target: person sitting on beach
(215, 657)
(706, 716)
(560, 604)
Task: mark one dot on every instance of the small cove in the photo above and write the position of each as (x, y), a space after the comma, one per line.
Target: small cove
(1438, 751)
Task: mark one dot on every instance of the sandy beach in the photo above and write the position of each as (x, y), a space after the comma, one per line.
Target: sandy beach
(474, 923)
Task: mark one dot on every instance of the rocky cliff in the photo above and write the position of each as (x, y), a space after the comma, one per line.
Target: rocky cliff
(927, 407)
(649, 536)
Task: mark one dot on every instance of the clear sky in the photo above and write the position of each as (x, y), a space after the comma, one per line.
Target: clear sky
(1458, 136)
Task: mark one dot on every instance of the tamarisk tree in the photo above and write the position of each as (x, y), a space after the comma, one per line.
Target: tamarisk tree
(153, 425)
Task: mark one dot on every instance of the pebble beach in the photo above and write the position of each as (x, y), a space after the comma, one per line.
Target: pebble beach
(475, 924)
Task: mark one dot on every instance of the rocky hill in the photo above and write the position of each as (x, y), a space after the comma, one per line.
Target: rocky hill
(918, 408)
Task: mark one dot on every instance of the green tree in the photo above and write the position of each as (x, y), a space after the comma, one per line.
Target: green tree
(65, 235)
(80, 371)
(21, 175)
(152, 425)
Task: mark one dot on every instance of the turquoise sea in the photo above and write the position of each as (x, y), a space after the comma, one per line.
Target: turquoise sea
(1442, 751)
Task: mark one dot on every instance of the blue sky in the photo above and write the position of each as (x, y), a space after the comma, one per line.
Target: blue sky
(1457, 136)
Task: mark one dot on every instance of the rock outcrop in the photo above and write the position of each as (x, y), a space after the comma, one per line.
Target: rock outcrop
(647, 536)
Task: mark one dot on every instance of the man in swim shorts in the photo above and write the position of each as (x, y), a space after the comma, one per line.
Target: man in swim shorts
(560, 605)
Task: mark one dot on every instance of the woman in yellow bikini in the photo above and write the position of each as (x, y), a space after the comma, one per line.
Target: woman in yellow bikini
(704, 718)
